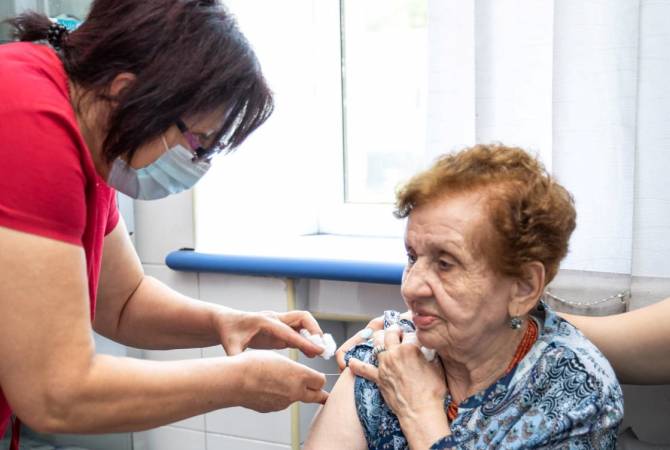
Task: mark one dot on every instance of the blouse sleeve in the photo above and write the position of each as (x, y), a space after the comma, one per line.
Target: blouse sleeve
(42, 186)
(380, 426)
(570, 407)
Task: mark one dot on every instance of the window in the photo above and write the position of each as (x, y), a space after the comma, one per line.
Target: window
(302, 58)
(385, 84)
(369, 92)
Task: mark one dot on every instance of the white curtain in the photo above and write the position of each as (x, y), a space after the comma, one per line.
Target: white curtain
(585, 85)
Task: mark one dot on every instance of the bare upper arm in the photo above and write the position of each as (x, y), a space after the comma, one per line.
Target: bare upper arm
(336, 425)
(45, 337)
(120, 275)
(636, 343)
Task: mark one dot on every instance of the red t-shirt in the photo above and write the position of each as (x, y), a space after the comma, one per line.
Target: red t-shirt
(48, 183)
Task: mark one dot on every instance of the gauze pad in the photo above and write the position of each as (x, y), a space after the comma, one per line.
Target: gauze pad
(326, 341)
(411, 338)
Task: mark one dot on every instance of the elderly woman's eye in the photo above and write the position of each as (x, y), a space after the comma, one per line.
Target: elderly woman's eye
(445, 265)
(411, 259)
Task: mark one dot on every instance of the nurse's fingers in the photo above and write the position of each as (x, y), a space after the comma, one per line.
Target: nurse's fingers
(283, 333)
(392, 336)
(299, 320)
(361, 369)
(314, 396)
(313, 380)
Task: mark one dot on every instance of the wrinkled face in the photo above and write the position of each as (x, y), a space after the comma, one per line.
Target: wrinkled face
(458, 302)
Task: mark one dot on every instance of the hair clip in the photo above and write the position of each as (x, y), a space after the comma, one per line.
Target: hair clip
(56, 34)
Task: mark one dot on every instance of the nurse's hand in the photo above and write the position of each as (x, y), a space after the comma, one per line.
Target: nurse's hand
(239, 330)
(272, 382)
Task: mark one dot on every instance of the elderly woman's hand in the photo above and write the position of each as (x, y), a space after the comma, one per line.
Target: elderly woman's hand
(374, 326)
(412, 387)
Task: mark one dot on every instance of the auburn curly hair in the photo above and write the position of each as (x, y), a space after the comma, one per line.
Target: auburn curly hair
(531, 215)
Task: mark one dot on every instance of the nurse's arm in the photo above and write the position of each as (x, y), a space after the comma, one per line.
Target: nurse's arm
(55, 382)
(140, 311)
(636, 343)
(336, 425)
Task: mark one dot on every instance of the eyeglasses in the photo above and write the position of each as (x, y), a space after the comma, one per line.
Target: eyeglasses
(198, 143)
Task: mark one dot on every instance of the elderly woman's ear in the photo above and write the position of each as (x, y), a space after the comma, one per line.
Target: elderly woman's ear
(527, 288)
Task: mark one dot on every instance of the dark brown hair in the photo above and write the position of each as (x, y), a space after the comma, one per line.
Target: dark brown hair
(188, 57)
(531, 215)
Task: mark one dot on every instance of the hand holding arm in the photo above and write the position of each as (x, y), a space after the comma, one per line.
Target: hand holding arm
(376, 324)
(412, 387)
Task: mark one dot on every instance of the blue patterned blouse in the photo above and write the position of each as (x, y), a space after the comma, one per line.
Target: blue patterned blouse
(562, 395)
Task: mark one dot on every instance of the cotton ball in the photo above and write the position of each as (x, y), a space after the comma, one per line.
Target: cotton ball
(329, 345)
(428, 353)
(326, 342)
(410, 338)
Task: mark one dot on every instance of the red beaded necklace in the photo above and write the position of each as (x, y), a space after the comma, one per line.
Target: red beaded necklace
(529, 338)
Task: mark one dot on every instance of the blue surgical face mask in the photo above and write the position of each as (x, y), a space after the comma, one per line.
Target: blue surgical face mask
(174, 172)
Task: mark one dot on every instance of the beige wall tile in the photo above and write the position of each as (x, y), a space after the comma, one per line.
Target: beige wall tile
(273, 427)
(169, 438)
(242, 292)
(162, 226)
(353, 299)
(222, 442)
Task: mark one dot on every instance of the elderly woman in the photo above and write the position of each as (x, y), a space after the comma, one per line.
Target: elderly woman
(486, 231)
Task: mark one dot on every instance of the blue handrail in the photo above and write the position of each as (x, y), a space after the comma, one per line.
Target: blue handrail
(316, 268)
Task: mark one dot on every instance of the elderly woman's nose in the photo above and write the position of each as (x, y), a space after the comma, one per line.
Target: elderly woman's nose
(415, 282)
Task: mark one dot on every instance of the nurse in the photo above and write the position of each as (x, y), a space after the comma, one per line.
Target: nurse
(139, 99)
